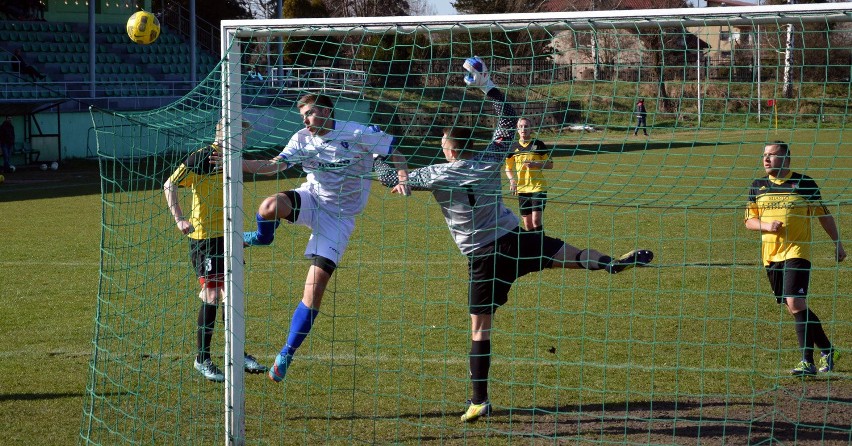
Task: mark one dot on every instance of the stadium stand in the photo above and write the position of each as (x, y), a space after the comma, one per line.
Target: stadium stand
(123, 69)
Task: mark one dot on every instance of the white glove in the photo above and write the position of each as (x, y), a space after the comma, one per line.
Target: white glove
(478, 74)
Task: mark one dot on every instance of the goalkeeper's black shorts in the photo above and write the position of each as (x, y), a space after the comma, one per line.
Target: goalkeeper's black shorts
(494, 268)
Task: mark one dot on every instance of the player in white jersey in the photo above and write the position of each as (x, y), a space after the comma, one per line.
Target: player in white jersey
(338, 158)
(468, 188)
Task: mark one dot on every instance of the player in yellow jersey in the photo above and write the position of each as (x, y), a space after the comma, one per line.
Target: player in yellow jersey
(781, 206)
(527, 158)
(206, 233)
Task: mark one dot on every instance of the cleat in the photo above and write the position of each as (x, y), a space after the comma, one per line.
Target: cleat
(475, 411)
(826, 361)
(209, 370)
(250, 239)
(252, 366)
(279, 368)
(804, 368)
(638, 257)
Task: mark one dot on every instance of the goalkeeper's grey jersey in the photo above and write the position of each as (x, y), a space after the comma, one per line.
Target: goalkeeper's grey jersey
(470, 190)
(471, 199)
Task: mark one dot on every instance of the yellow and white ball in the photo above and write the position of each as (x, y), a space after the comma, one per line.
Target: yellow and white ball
(143, 27)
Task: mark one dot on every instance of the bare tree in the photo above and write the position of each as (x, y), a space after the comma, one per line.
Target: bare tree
(421, 7)
(788, 58)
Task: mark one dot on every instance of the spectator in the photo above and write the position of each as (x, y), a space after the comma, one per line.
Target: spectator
(7, 142)
(254, 74)
(641, 117)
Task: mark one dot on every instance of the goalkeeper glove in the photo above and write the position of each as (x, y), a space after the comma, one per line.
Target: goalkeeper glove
(477, 74)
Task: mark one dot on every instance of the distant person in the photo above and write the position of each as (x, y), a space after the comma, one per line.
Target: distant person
(206, 232)
(781, 206)
(26, 69)
(7, 142)
(641, 117)
(468, 189)
(527, 157)
(255, 74)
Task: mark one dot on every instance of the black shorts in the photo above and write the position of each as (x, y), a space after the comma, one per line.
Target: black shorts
(208, 259)
(494, 268)
(529, 202)
(789, 278)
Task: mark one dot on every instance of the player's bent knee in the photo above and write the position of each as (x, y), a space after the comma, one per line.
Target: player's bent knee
(211, 295)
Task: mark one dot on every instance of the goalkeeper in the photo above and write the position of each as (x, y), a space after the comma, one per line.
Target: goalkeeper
(206, 232)
(468, 189)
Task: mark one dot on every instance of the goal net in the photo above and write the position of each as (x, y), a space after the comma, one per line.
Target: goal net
(691, 348)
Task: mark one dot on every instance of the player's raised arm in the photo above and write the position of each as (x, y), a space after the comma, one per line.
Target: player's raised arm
(507, 121)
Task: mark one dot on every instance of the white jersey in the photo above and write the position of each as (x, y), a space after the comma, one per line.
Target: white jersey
(338, 164)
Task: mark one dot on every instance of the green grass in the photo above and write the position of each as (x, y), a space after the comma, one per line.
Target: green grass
(694, 340)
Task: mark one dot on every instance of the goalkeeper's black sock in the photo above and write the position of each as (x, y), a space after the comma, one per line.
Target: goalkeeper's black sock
(806, 342)
(206, 322)
(480, 363)
(592, 264)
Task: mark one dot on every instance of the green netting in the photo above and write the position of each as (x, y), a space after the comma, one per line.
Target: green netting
(693, 349)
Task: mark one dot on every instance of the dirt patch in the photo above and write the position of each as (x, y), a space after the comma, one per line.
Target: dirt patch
(817, 411)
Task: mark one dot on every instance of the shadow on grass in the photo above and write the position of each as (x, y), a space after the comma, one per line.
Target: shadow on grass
(818, 412)
(52, 396)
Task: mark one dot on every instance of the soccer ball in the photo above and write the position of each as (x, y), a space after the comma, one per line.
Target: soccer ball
(54, 165)
(43, 167)
(143, 27)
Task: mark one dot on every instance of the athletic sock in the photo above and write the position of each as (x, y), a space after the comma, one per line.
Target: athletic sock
(592, 264)
(806, 342)
(206, 322)
(266, 229)
(817, 333)
(480, 363)
(300, 326)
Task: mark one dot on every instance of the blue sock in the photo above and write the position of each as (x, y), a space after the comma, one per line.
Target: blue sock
(266, 229)
(300, 326)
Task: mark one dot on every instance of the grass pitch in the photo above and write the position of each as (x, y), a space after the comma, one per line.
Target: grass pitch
(692, 347)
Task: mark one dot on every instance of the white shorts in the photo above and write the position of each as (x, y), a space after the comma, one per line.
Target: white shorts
(329, 232)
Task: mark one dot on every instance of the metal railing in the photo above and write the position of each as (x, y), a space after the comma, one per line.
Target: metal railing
(317, 79)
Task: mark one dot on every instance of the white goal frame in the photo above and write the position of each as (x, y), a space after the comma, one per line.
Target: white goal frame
(232, 105)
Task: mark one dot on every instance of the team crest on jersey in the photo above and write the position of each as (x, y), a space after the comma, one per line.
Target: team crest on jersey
(344, 144)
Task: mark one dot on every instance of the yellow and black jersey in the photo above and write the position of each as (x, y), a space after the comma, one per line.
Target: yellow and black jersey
(529, 180)
(205, 181)
(793, 201)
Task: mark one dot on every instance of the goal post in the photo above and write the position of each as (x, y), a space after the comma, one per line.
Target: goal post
(693, 347)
